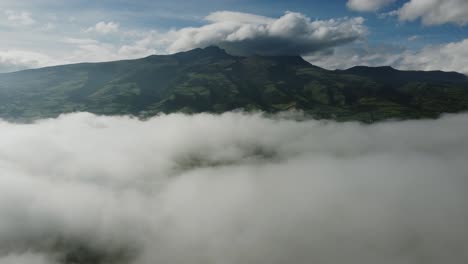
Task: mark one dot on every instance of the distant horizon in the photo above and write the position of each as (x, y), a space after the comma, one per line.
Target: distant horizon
(216, 46)
(335, 34)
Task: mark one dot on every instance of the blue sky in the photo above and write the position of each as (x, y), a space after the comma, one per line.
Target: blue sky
(407, 34)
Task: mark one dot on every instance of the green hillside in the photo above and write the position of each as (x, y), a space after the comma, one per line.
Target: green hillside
(210, 80)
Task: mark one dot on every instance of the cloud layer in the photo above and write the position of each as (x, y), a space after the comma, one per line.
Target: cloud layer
(435, 12)
(238, 33)
(245, 34)
(48, 38)
(233, 188)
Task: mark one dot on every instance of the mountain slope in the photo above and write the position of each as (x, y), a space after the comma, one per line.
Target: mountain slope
(210, 80)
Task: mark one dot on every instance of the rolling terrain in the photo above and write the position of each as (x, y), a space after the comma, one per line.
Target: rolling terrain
(210, 80)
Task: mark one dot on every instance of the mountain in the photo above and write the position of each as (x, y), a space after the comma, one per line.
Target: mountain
(388, 74)
(210, 80)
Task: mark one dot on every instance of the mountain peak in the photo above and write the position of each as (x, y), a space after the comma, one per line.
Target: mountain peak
(214, 49)
(207, 52)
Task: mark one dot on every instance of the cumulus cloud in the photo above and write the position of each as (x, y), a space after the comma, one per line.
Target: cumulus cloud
(449, 57)
(14, 60)
(368, 5)
(238, 33)
(291, 34)
(104, 27)
(436, 12)
(321, 41)
(233, 188)
(22, 18)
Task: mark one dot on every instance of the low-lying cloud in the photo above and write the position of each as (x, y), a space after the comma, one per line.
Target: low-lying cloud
(233, 188)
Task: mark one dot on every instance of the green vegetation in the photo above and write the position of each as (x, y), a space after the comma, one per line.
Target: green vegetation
(210, 80)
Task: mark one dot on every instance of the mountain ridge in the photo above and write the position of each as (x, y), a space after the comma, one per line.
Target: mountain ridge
(211, 80)
(224, 52)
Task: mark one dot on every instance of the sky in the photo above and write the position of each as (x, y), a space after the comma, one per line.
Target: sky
(334, 34)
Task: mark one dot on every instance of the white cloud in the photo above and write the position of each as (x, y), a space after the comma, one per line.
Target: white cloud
(104, 27)
(436, 12)
(446, 57)
(13, 60)
(233, 188)
(291, 34)
(414, 37)
(22, 18)
(238, 33)
(368, 5)
(392, 13)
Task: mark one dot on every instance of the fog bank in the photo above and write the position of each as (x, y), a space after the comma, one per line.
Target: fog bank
(233, 188)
